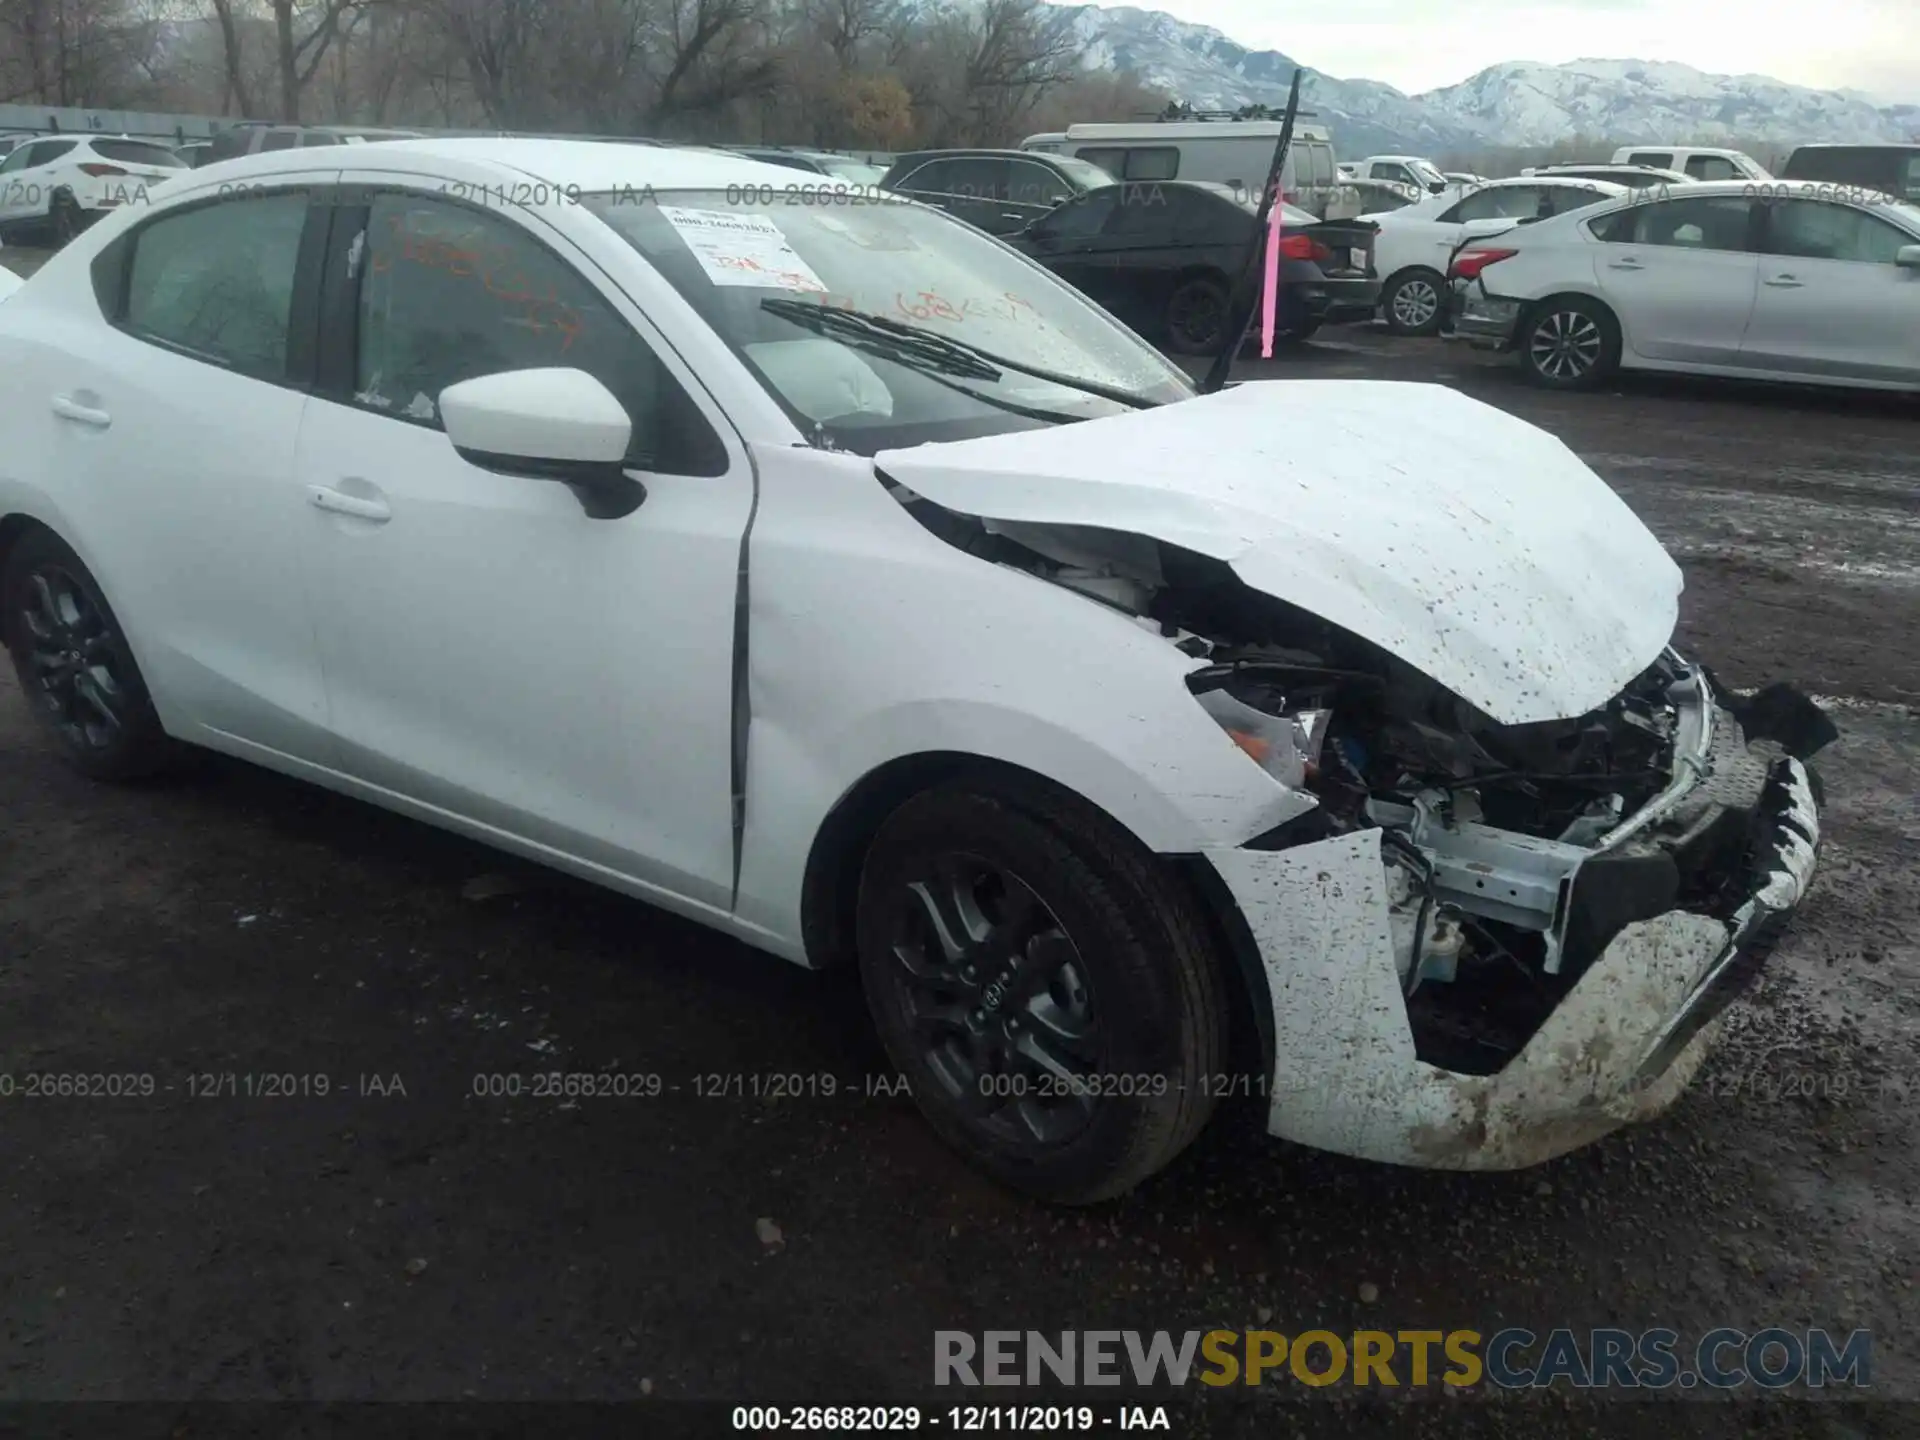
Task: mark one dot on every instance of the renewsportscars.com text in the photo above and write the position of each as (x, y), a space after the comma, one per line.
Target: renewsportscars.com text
(1512, 1358)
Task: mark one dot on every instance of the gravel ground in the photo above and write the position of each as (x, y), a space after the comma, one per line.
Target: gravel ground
(435, 1245)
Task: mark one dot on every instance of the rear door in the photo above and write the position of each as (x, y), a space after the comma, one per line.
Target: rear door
(1681, 275)
(1831, 302)
(172, 428)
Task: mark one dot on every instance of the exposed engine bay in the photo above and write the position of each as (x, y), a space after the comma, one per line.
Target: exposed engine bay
(1516, 853)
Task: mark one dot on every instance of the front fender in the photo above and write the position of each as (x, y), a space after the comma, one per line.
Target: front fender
(870, 641)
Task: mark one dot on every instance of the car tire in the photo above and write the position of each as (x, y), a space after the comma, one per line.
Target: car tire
(74, 665)
(1569, 343)
(1081, 1071)
(1414, 302)
(1301, 333)
(1196, 316)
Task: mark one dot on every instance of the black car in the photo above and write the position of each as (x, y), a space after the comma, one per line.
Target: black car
(1893, 169)
(1000, 191)
(1160, 257)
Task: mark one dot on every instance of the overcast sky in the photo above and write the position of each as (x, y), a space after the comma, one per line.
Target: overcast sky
(1414, 45)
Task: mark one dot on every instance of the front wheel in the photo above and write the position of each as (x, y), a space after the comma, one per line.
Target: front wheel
(74, 665)
(1570, 344)
(1046, 989)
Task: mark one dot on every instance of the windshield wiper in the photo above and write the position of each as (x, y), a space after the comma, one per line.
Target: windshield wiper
(896, 338)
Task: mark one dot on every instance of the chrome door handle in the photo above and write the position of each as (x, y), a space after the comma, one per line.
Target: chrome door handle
(70, 409)
(1783, 282)
(1625, 265)
(343, 504)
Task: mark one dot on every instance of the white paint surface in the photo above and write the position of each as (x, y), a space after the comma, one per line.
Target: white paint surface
(1472, 545)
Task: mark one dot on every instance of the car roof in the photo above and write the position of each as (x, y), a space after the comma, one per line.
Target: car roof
(586, 165)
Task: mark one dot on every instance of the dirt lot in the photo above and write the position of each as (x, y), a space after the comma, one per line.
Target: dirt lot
(435, 1245)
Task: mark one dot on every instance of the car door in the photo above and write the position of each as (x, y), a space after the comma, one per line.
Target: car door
(1147, 237)
(171, 429)
(970, 188)
(1681, 275)
(1068, 240)
(1831, 301)
(491, 652)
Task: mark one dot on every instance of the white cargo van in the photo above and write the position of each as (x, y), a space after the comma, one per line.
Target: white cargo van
(1696, 162)
(1234, 153)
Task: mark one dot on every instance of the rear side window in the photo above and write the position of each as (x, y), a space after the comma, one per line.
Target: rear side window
(280, 140)
(1658, 159)
(1496, 202)
(1910, 178)
(132, 152)
(217, 281)
(319, 137)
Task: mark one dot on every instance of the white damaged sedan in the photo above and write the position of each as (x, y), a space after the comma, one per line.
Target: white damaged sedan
(807, 563)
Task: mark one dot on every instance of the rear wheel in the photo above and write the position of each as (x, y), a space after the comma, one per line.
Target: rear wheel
(1411, 302)
(1196, 316)
(1570, 343)
(74, 665)
(1046, 989)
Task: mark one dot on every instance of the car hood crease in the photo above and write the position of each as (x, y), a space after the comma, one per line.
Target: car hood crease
(1469, 544)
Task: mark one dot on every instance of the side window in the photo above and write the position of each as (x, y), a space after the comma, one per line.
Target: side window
(931, 178)
(217, 281)
(1083, 218)
(17, 160)
(1562, 198)
(1496, 202)
(1909, 182)
(1153, 162)
(280, 140)
(1320, 159)
(1711, 167)
(448, 293)
(1031, 184)
(1658, 159)
(1109, 158)
(319, 137)
(976, 178)
(1386, 170)
(1713, 222)
(45, 152)
(1813, 230)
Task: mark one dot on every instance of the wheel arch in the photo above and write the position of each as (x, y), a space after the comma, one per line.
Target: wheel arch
(830, 884)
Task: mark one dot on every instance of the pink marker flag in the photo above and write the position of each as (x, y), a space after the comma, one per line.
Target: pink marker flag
(1270, 295)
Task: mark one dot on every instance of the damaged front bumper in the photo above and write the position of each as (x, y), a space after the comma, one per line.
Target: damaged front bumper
(1358, 1069)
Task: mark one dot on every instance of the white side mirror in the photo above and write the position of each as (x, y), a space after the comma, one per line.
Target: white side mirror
(547, 424)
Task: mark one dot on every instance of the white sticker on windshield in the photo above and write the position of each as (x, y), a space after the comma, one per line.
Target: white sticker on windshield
(742, 250)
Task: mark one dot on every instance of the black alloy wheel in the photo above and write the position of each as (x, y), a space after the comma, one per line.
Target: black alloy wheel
(1048, 990)
(74, 664)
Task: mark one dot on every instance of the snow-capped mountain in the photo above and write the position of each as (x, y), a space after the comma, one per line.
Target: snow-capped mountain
(1514, 103)
(1647, 100)
(1204, 68)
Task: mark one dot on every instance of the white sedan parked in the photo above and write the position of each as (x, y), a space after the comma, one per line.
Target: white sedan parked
(1416, 242)
(825, 571)
(1786, 280)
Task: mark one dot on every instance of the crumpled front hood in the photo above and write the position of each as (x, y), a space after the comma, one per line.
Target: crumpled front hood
(1473, 546)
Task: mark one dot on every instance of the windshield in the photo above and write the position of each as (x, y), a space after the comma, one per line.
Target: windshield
(1427, 173)
(728, 251)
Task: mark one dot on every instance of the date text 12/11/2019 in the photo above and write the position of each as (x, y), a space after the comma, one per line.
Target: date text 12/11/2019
(958, 1419)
